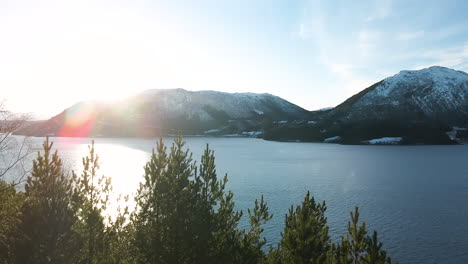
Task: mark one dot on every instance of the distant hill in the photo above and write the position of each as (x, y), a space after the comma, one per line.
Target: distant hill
(167, 111)
(428, 106)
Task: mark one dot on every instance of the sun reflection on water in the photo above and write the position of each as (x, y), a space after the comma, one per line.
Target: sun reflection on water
(124, 165)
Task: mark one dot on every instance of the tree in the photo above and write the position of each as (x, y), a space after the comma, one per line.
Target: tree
(252, 242)
(47, 215)
(13, 150)
(375, 253)
(357, 247)
(93, 193)
(305, 237)
(357, 237)
(119, 236)
(163, 203)
(184, 214)
(11, 202)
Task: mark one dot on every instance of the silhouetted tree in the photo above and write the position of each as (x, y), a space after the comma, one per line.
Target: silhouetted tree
(47, 215)
(93, 193)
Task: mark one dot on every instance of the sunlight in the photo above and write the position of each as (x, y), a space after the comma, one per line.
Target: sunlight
(125, 179)
(79, 121)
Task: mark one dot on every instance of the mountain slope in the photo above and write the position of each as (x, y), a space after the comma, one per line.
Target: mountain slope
(419, 106)
(435, 93)
(168, 111)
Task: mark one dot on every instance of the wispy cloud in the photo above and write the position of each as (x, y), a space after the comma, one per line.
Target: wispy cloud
(453, 57)
(359, 49)
(382, 10)
(410, 35)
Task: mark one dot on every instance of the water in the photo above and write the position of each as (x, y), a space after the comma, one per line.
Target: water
(415, 196)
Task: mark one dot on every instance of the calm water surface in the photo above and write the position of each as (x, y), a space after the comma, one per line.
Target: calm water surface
(415, 196)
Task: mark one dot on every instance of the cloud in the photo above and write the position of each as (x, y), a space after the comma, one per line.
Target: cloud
(405, 36)
(302, 32)
(382, 9)
(368, 42)
(454, 57)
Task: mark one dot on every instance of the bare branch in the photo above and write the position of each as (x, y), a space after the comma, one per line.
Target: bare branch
(13, 149)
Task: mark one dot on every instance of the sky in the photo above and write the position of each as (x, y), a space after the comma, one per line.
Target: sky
(313, 53)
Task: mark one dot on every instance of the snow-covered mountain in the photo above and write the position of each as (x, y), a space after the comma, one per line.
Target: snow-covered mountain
(190, 104)
(435, 93)
(423, 106)
(419, 106)
(169, 111)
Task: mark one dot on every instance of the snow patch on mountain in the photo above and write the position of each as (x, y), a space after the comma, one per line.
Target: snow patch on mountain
(332, 139)
(433, 90)
(193, 104)
(384, 141)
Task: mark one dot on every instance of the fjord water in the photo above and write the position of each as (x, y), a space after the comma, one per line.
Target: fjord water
(415, 196)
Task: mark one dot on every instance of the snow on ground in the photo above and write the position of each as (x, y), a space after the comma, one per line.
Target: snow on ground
(332, 139)
(311, 122)
(385, 141)
(252, 133)
(453, 133)
(280, 122)
(212, 131)
(258, 112)
(325, 109)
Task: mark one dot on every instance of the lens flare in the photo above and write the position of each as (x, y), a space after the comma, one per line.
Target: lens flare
(79, 120)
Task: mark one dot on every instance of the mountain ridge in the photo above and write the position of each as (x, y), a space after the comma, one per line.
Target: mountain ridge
(419, 106)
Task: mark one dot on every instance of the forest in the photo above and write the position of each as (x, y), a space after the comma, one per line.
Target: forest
(182, 213)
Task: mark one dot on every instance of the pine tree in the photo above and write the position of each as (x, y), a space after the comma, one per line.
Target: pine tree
(252, 242)
(357, 247)
(119, 236)
(357, 237)
(374, 253)
(184, 214)
(93, 192)
(163, 203)
(47, 215)
(11, 202)
(305, 237)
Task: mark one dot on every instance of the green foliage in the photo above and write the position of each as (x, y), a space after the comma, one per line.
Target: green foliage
(10, 217)
(47, 215)
(305, 237)
(183, 214)
(252, 242)
(357, 247)
(93, 199)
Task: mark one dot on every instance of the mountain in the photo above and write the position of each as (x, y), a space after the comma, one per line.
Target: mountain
(428, 106)
(435, 93)
(417, 106)
(167, 111)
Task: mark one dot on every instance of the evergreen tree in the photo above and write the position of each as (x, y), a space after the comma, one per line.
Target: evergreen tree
(357, 247)
(93, 199)
(305, 237)
(47, 215)
(10, 217)
(374, 253)
(163, 203)
(184, 214)
(357, 238)
(252, 243)
(119, 236)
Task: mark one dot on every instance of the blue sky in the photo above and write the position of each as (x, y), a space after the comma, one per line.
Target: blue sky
(312, 53)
